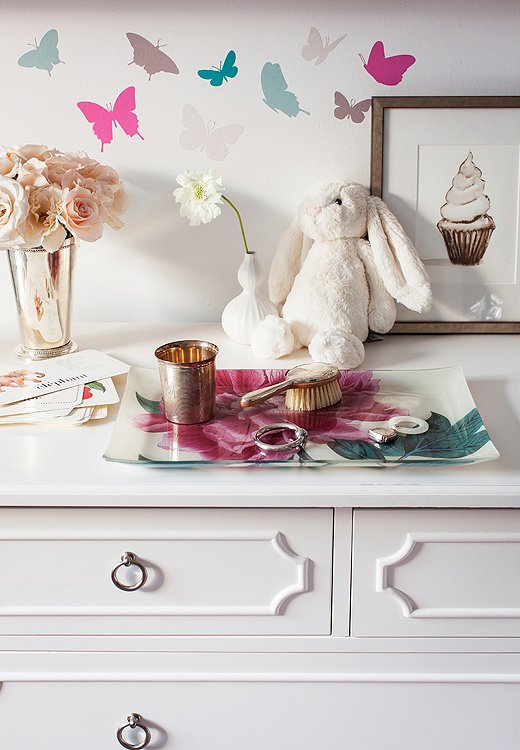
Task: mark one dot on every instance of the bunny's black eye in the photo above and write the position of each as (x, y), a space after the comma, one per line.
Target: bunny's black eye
(338, 201)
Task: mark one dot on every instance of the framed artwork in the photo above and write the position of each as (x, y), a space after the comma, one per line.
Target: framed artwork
(449, 168)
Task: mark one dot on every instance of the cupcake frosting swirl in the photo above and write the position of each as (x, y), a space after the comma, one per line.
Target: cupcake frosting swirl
(465, 200)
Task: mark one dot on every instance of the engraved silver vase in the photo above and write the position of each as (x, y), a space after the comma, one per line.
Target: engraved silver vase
(42, 284)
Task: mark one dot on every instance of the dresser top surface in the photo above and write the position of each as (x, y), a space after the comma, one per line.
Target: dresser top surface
(64, 465)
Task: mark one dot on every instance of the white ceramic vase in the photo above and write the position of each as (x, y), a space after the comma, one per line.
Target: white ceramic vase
(242, 315)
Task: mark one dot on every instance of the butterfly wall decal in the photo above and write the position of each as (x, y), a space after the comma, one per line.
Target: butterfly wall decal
(350, 109)
(216, 76)
(199, 135)
(386, 70)
(317, 49)
(122, 113)
(275, 91)
(150, 56)
(45, 55)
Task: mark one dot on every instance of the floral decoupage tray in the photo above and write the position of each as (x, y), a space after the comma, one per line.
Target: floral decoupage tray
(337, 434)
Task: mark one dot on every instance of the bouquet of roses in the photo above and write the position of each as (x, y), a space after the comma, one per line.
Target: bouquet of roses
(47, 196)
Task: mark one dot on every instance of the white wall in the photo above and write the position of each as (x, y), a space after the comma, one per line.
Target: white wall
(157, 268)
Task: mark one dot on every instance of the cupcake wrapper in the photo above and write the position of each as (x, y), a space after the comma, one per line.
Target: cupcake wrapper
(466, 247)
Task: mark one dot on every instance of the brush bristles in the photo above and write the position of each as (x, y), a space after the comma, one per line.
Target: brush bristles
(314, 397)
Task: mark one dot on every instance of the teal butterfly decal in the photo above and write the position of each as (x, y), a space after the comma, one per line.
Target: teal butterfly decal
(46, 54)
(275, 91)
(216, 76)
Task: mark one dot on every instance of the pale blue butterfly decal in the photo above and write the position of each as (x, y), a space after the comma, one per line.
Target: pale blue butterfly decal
(276, 93)
(216, 76)
(45, 55)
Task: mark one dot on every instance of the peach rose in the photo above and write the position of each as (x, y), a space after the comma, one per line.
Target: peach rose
(34, 151)
(112, 186)
(42, 226)
(33, 173)
(84, 214)
(13, 212)
(60, 164)
(9, 162)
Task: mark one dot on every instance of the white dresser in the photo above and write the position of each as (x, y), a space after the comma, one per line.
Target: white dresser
(294, 609)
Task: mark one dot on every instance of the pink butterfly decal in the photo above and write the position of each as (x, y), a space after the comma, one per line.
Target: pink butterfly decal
(346, 108)
(386, 70)
(121, 113)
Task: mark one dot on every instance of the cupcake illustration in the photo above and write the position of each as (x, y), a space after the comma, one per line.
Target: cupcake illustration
(465, 224)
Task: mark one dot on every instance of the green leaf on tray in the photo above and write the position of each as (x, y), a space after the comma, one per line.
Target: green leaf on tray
(357, 450)
(442, 441)
(152, 407)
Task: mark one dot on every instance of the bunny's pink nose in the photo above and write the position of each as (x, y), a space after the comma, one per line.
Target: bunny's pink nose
(314, 210)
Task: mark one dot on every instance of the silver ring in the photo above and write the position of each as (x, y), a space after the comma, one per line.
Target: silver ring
(127, 559)
(300, 437)
(134, 721)
(408, 425)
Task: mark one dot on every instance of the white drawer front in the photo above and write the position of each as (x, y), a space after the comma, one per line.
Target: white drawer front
(208, 571)
(226, 716)
(436, 573)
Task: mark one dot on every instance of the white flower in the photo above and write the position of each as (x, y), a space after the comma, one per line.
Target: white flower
(13, 212)
(199, 195)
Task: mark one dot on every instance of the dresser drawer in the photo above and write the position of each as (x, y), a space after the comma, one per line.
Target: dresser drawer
(207, 571)
(436, 573)
(228, 716)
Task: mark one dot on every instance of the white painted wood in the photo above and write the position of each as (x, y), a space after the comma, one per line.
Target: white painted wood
(226, 716)
(209, 571)
(436, 573)
(41, 466)
(341, 572)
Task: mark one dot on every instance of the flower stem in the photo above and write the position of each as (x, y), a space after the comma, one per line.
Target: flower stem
(235, 209)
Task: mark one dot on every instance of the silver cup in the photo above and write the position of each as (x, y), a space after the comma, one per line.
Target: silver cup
(187, 370)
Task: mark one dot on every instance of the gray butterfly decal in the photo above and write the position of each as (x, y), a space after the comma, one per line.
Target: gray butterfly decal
(345, 108)
(150, 56)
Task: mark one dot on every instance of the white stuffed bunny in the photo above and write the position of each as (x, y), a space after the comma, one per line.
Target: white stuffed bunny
(337, 287)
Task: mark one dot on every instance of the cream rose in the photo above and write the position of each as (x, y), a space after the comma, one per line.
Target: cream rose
(84, 214)
(59, 164)
(33, 173)
(42, 226)
(13, 212)
(9, 162)
(112, 187)
(34, 151)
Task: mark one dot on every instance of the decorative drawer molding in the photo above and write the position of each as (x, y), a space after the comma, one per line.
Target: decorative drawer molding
(436, 573)
(212, 566)
(385, 567)
(275, 539)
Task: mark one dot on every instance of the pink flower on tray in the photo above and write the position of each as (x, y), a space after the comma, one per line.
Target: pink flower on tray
(229, 435)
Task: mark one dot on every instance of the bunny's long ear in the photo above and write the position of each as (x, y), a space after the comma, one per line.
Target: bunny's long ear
(399, 266)
(286, 263)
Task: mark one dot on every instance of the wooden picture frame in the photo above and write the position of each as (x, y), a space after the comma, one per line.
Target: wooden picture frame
(382, 107)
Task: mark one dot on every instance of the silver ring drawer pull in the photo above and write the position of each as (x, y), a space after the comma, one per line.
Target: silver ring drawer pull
(128, 559)
(134, 722)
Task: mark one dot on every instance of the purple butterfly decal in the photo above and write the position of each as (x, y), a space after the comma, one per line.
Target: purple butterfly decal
(150, 57)
(346, 108)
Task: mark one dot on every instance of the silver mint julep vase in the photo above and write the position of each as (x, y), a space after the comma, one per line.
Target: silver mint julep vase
(42, 284)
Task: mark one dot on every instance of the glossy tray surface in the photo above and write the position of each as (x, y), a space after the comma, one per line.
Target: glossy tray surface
(337, 435)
